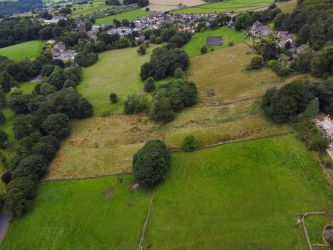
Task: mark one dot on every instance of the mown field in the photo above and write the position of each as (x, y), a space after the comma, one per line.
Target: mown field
(228, 109)
(116, 71)
(244, 195)
(129, 15)
(233, 6)
(26, 50)
(199, 39)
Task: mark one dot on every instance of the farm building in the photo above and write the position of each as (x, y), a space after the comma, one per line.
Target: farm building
(214, 41)
(259, 29)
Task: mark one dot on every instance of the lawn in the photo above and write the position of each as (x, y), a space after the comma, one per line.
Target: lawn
(199, 39)
(129, 15)
(225, 111)
(26, 50)
(233, 6)
(116, 71)
(87, 214)
(238, 196)
(242, 195)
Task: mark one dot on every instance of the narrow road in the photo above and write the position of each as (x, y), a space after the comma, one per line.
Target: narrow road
(4, 224)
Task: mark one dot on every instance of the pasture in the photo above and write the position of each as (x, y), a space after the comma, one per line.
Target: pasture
(25, 50)
(129, 15)
(116, 71)
(161, 5)
(88, 214)
(288, 7)
(228, 109)
(233, 6)
(198, 40)
(244, 195)
(85, 9)
(240, 196)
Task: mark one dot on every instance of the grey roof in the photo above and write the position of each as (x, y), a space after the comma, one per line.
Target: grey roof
(214, 41)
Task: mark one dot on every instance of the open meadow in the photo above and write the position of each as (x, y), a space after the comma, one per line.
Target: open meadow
(198, 40)
(233, 6)
(162, 5)
(243, 195)
(88, 8)
(25, 50)
(229, 109)
(288, 7)
(129, 15)
(116, 71)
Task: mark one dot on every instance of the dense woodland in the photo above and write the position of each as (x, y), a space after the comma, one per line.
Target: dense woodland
(8, 8)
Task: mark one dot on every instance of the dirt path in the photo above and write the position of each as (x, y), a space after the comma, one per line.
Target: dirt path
(4, 224)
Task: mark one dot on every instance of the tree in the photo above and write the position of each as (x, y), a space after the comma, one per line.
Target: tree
(24, 125)
(57, 78)
(52, 140)
(19, 103)
(6, 81)
(3, 139)
(136, 103)
(34, 166)
(45, 149)
(149, 85)
(113, 97)
(19, 195)
(243, 21)
(318, 142)
(203, 50)
(179, 73)
(143, 3)
(142, 50)
(151, 163)
(256, 62)
(312, 109)
(6, 177)
(56, 125)
(189, 143)
(162, 110)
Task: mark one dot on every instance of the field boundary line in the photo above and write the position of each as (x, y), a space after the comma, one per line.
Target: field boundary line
(172, 150)
(146, 222)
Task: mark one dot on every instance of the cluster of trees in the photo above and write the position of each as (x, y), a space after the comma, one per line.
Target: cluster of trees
(311, 21)
(246, 19)
(284, 104)
(163, 63)
(41, 121)
(140, 3)
(151, 164)
(8, 8)
(173, 97)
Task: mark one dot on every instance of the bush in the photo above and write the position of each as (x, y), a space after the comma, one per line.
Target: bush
(149, 85)
(231, 43)
(136, 103)
(6, 177)
(189, 143)
(312, 109)
(19, 195)
(318, 142)
(256, 62)
(113, 97)
(151, 163)
(203, 50)
(142, 50)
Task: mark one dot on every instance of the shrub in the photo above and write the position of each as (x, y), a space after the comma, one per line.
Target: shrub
(312, 108)
(136, 103)
(231, 43)
(6, 177)
(149, 85)
(256, 62)
(318, 142)
(142, 50)
(203, 50)
(189, 143)
(113, 97)
(19, 195)
(151, 163)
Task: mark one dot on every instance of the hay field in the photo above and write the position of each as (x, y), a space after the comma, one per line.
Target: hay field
(25, 50)
(129, 15)
(229, 109)
(166, 5)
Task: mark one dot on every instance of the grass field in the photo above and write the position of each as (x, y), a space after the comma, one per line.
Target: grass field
(288, 7)
(106, 144)
(239, 196)
(80, 215)
(199, 39)
(26, 50)
(233, 6)
(116, 71)
(85, 9)
(162, 5)
(242, 195)
(129, 15)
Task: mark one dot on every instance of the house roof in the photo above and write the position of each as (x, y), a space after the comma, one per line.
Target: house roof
(214, 41)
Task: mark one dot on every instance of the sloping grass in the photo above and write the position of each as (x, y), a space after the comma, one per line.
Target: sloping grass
(87, 214)
(85, 9)
(199, 39)
(129, 15)
(116, 71)
(288, 7)
(233, 6)
(26, 50)
(238, 196)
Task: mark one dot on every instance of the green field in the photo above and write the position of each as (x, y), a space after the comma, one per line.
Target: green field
(129, 15)
(85, 9)
(80, 215)
(199, 39)
(26, 50)
(241, 195)
(233, 6)
(116, 71)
